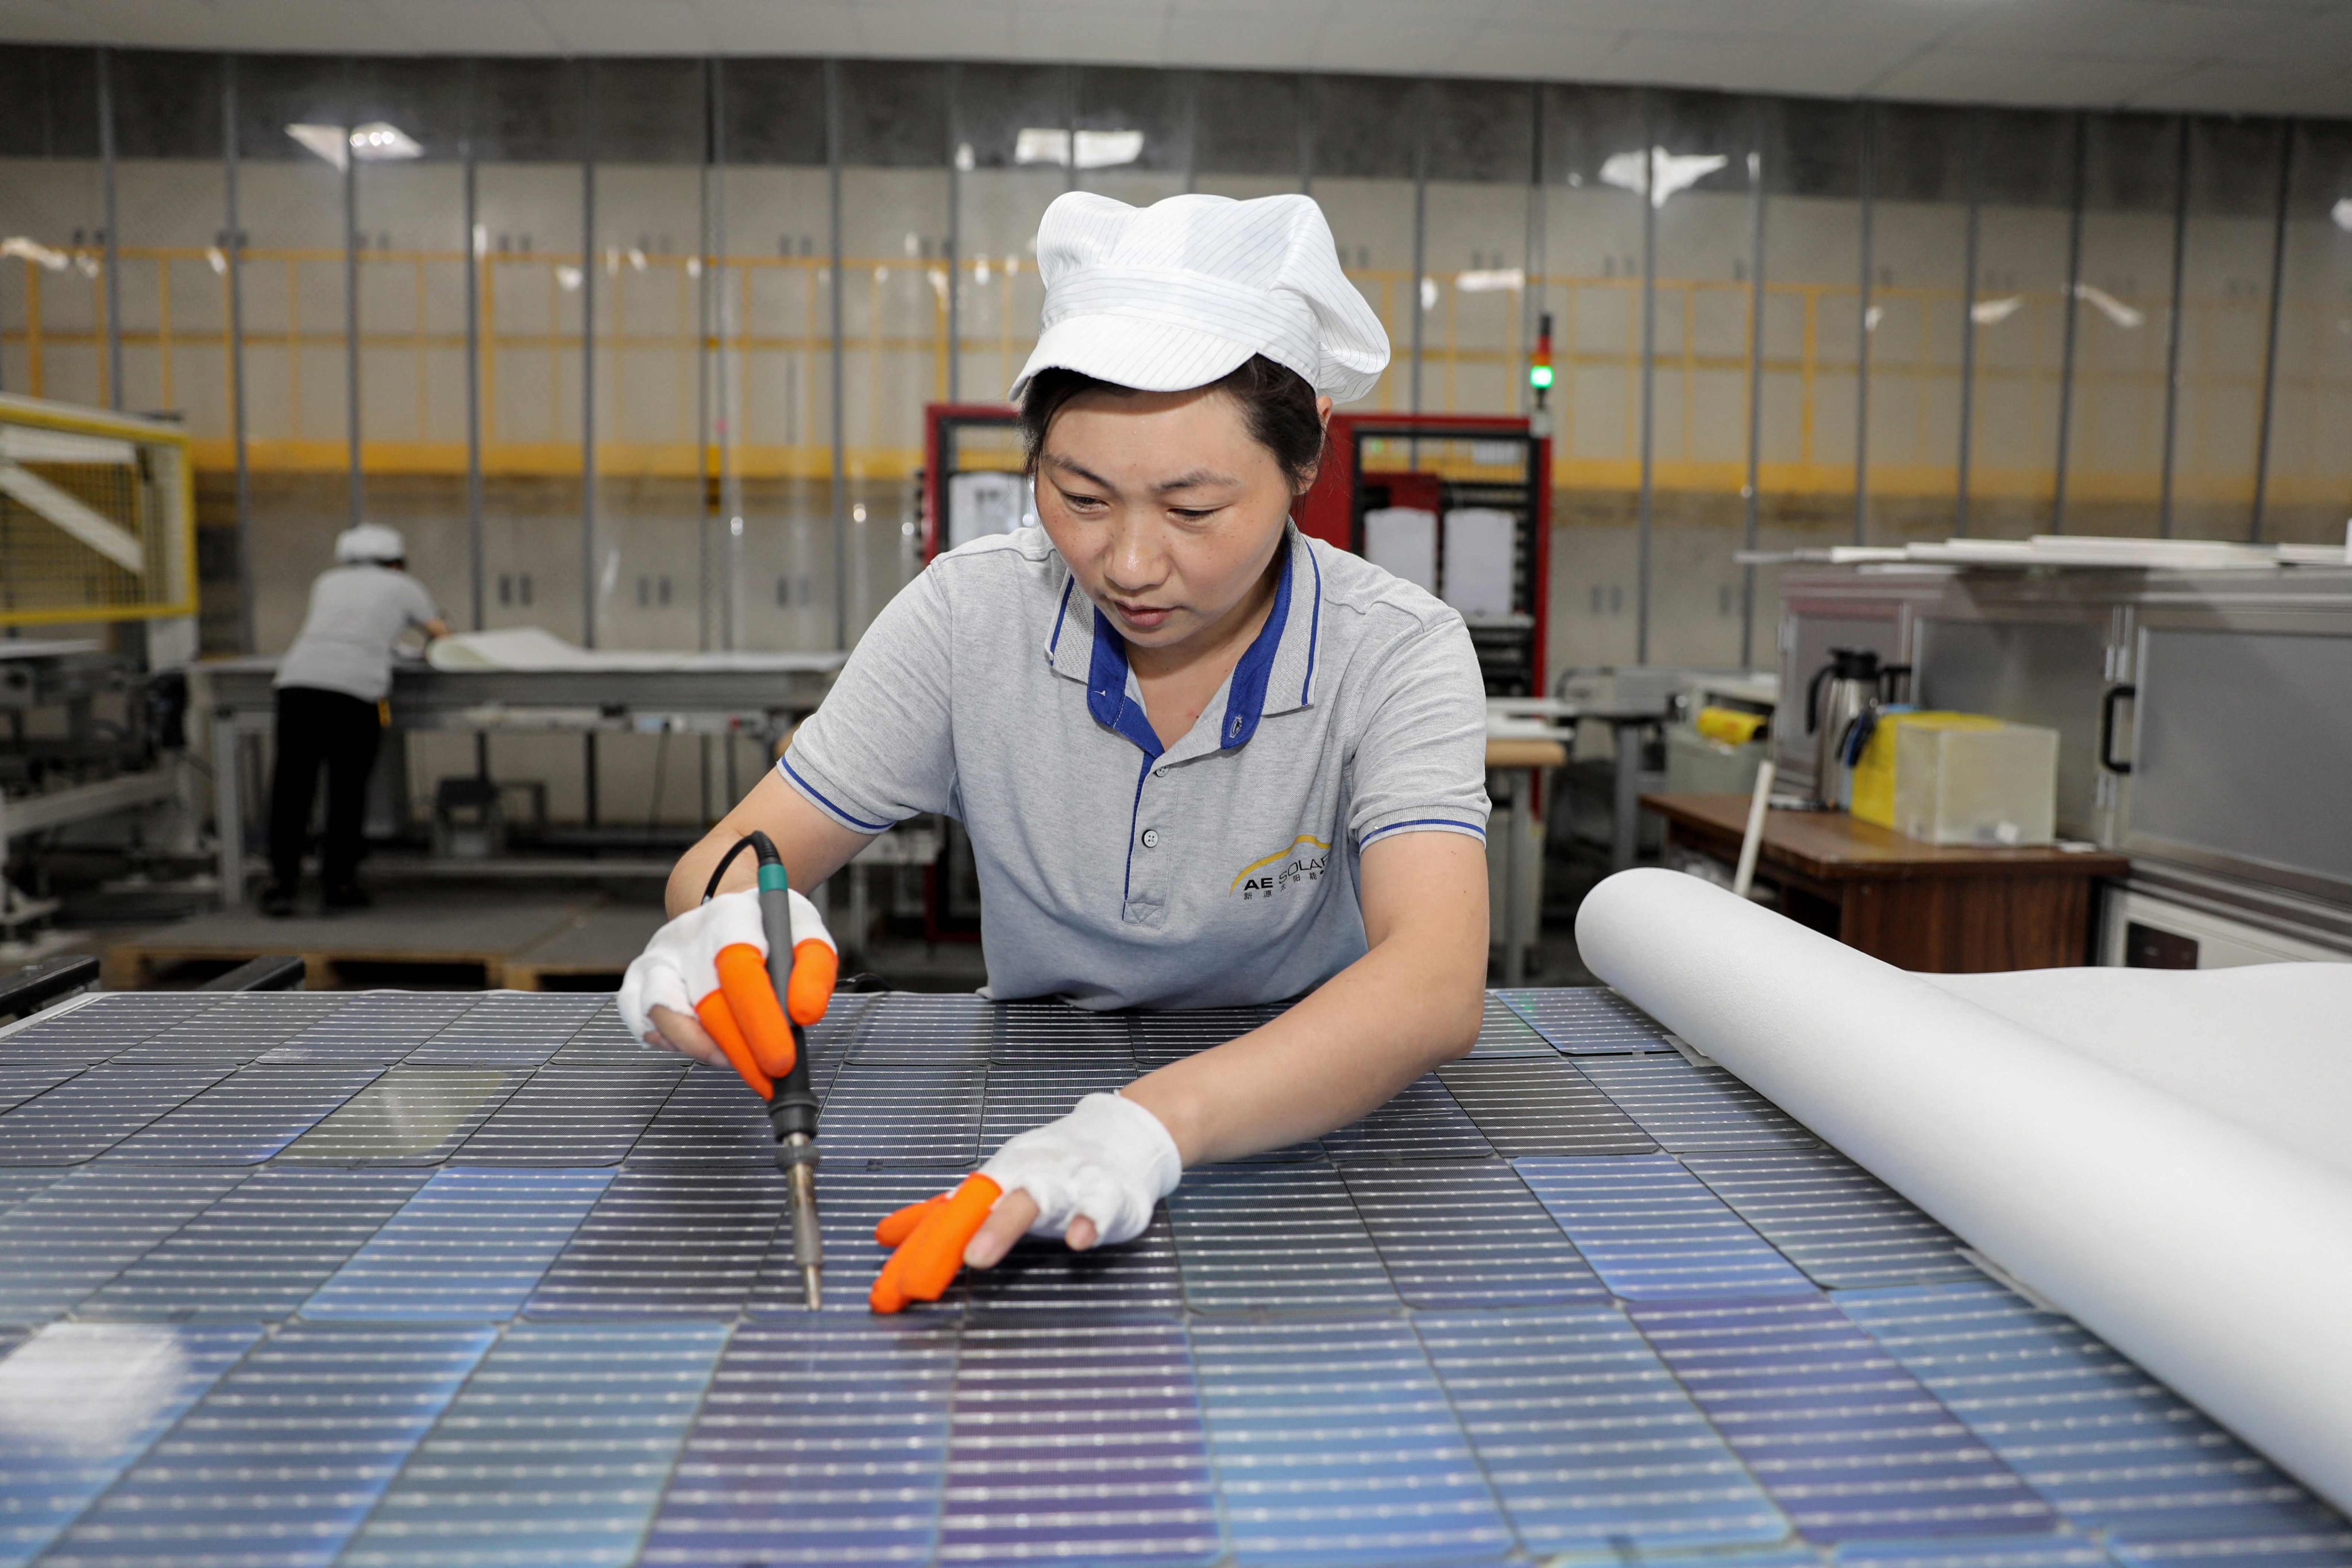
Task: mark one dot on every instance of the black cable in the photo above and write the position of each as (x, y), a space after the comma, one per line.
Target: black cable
(762, 849)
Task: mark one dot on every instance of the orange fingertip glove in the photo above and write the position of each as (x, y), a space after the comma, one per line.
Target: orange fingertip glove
(744, 980)
(719, 1021)
(815, 967)
(930, 1237)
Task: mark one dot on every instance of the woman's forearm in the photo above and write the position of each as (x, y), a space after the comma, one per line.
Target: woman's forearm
(1414, 1000)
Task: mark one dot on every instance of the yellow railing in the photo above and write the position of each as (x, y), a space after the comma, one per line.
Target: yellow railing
(767, 396)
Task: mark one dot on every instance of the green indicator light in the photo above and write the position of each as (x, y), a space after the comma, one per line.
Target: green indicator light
(1540, 375)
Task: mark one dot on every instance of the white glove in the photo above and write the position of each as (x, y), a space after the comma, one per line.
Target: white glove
(1110, 1160)
(680, 967)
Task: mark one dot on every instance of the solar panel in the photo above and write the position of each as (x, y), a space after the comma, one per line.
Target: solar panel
(409, 1279)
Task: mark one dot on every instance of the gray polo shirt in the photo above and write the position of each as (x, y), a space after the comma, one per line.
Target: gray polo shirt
(1222, 870)
(357, 614)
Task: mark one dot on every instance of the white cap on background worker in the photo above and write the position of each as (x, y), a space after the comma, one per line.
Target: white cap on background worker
(370, 542)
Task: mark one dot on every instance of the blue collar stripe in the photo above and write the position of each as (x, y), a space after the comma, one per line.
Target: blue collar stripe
(1314, 630)
(1061, 614)
(1245, 697)
(1106, 697)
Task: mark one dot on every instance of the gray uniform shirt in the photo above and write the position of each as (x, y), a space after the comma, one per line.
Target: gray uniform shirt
(357, 614)
(1222, 870)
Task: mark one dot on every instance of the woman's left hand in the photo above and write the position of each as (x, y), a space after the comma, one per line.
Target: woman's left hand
(1091, 1178)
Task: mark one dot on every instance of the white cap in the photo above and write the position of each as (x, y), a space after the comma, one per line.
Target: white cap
(1180, 293)
(370, 542)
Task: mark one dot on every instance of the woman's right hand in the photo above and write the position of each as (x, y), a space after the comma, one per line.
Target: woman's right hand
(702, 987)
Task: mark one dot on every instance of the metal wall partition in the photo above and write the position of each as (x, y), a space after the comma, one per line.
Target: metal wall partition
(721, 290)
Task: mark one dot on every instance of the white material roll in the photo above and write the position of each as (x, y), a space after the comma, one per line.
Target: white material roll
(2159, 1182)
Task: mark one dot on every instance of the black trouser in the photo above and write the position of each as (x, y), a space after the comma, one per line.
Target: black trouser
(342, 731)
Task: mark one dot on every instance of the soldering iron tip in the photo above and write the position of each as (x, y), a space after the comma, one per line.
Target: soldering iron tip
(812, 1287)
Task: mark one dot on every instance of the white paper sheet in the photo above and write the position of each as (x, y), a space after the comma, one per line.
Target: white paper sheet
(984, 502)
(1402, 540)
(534, 649)
(1480, 542)
(2144, 1148)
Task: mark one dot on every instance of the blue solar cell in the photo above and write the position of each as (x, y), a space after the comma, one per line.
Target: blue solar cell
(1834, 1219)
(70, 1238)
(1588, 1440)
(1334, 1443)
(1541, 1106)
(375, 1029)
(2309, 1549)
(554, 1453)
(312, 1425)
(16, 1186)
(815, 1449)
(1687, 1107)
(1030, 1091)
(1076, 1439)
(2107, 1445)
(1848, 1443)
(2009, 1552)
(1274, 1238)
(1467, 1234)
(471, 1245)
(1654, 1232)
(1422, 1122)
(79, 1402)
(247, 1116)
(234, 1031)
(21, 1080)
(260, 1251)
(87, 1115)
(666, 1244)
(1586, 1020)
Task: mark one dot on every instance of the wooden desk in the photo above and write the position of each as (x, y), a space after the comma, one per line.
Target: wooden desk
(1949, 910)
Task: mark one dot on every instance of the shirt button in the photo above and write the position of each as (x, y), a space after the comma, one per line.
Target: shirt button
(1160, 773)
(1151, 838)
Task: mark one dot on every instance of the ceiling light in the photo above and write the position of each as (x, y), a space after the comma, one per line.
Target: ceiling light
(217, 259)
(374, 143)
(569, 277)
(1097, 149)
(1491, 280)
(2342, 212)
(2113, 308)
(1993, 313)
(1669, 171)
(1871, 317)
(34, 251)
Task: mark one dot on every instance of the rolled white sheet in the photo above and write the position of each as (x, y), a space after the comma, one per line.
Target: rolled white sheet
(2151, 1151)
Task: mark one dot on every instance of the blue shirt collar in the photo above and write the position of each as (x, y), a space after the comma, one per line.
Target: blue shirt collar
(1276, 674)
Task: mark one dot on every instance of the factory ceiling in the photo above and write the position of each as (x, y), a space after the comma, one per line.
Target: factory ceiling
(2260, 56)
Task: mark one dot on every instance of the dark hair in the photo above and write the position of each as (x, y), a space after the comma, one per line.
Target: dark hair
(1276, 402)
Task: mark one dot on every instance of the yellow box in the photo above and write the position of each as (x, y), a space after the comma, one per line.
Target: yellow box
(1873, 776)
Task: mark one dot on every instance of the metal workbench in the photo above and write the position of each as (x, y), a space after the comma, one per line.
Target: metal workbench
(415, 1278)
(758, 696)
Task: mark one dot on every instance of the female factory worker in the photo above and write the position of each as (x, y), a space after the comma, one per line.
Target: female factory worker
(1204, 759)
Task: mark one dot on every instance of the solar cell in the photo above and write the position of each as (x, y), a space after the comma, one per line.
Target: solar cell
(1503, 1032)
(1654, 1232)
(247, 1117)
(1467, 1234)
(314, 1424)
(1541, 1106)
(1274, 1238)
(410, 1116)
(1586, 1019)
(257, 1253)
(89, 1114)
(569, 1115)
(79, 1402)
(1834, 1219)
(1078, 1439)
(814, 1449)
(553, 1454)
(1334, 1443)
(470, 1244)
(72, 1237)
(1688, 1108)
(1589, 1443)
(666, 1244)
(1422, 1122)
(709, 1118)
(2107, 1446)
(1849, 1444)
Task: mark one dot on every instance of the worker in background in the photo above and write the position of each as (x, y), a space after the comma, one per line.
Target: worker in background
(1204, 761)
(331, 687)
